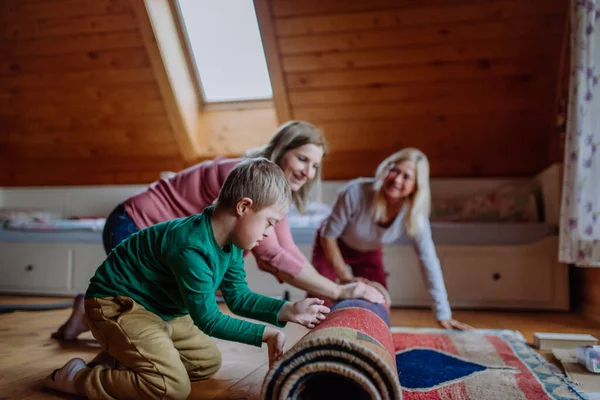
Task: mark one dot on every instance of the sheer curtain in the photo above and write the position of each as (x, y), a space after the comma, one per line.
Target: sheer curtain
(580, 212)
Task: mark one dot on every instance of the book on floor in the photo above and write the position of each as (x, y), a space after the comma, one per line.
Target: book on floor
(548, 340)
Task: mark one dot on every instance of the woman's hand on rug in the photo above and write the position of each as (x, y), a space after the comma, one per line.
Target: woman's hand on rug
(454, 324)
(275, 340)
(308, 312)
(360, 290)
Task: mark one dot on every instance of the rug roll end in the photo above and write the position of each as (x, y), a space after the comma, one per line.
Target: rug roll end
(365, 371)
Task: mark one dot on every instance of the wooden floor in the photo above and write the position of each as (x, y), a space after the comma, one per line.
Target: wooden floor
(28, 354)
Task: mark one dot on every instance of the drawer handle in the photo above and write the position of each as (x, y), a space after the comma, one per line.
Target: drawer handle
(29, 268)
(496, 276)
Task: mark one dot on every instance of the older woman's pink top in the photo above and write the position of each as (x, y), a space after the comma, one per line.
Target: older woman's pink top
(192, 190)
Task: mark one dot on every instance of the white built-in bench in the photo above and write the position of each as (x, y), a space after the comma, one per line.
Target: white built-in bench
(486, 265)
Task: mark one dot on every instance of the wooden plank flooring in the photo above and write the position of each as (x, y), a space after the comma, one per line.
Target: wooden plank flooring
(28, 354)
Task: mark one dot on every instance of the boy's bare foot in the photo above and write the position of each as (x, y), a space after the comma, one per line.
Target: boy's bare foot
(75, 325)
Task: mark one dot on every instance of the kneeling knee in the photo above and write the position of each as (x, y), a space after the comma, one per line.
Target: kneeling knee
(215, 364)
(208, 367)
(179, 389)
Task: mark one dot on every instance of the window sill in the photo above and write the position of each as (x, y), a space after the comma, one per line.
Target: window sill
(239, 105)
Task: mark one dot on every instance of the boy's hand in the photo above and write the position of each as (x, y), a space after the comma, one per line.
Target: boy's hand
(275, 341)
(360, 290)
(308, 312)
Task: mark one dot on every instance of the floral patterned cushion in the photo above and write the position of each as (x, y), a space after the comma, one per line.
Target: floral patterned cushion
(12, 214)
(508, 203)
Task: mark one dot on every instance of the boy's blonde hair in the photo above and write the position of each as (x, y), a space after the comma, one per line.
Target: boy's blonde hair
(419, 201)
(289, 136)
(258, 179)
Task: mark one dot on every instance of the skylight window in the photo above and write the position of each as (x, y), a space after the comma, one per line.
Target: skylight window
(227, 49)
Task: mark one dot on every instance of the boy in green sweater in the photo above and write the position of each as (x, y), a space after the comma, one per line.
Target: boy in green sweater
(151, 304)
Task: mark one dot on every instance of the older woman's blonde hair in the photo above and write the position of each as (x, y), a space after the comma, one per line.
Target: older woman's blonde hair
(291, 135)
(419, 201)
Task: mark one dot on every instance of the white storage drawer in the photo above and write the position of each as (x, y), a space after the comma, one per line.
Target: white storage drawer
(44, 268)
(492, 276)
(510, 277)
(504, 277)
(86, 259)
(405, 283)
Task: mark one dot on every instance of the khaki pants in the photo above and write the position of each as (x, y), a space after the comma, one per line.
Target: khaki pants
(159, 357)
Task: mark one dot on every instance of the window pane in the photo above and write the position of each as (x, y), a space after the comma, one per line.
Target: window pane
(226, 44)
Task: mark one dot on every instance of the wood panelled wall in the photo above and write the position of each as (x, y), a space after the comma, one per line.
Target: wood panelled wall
(79, 103)
(470, 82)
(586, 287)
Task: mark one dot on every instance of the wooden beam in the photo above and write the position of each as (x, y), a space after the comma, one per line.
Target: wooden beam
(273, 57)
(186, 46)
(158, 27)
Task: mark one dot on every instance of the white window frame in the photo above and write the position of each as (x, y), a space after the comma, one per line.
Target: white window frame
(189, 55)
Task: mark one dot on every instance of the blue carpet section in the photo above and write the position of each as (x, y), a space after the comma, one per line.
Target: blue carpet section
(378, 309)
(427, 369)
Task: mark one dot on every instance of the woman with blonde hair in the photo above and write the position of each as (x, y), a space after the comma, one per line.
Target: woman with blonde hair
(297, 148)
(372, 212)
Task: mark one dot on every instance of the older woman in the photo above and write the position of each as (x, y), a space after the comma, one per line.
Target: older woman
(298, 148)
(372, 212)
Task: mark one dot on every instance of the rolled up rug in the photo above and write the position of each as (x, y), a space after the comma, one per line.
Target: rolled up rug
(350, 355)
